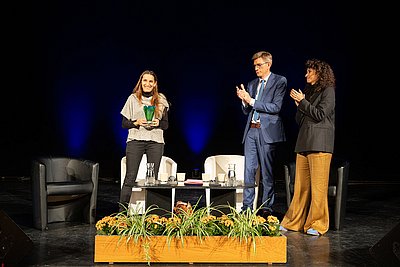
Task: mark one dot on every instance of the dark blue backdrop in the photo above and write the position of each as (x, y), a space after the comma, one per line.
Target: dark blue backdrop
(71, 66)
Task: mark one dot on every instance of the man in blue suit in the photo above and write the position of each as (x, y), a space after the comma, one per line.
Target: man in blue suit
(262, 101)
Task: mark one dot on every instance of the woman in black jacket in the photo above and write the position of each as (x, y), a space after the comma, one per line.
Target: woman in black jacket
(308, 211)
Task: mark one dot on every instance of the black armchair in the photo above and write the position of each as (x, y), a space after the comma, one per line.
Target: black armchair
(337, 190)
(64, 189)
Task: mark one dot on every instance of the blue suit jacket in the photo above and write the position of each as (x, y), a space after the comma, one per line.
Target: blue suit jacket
(268, 106)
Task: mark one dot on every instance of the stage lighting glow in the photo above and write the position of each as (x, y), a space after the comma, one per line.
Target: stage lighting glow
(75, 108)
(197, 124)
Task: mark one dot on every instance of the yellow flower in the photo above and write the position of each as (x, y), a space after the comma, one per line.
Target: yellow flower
(228, 223)
(272, 219)
(208, 219)
(153, 218)
(188, 221)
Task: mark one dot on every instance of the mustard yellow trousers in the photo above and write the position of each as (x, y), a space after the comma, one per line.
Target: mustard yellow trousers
(309, 206)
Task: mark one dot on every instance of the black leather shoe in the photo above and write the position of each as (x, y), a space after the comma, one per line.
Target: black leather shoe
(264, 213)
(278, 215)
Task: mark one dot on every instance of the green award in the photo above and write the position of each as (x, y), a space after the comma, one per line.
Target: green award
(149, 113)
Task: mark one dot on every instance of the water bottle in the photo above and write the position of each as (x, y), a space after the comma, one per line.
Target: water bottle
(231, 174)
(150, 176)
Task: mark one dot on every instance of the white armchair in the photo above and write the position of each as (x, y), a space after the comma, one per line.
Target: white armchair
(219, 164)
(137, 201)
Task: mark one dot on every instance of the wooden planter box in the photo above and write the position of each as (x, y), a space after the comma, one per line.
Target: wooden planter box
(213, 249)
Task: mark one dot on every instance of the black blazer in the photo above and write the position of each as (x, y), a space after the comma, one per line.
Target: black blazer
(316, 119)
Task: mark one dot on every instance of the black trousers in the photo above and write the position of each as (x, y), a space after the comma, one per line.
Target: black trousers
(134, 153)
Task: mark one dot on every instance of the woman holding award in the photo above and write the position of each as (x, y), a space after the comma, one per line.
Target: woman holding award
(145, 115)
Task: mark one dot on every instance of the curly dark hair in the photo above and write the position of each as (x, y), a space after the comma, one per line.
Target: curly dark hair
(326, 77)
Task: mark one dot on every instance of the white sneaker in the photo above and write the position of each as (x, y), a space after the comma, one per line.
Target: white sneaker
(282, 229)
(312, 231)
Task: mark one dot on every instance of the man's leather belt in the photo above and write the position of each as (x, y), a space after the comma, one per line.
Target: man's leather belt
(255, 125)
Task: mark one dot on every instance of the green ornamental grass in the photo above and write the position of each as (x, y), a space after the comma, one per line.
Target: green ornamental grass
(187, 220)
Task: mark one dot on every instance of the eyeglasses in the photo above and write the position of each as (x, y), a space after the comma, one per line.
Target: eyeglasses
(259, 65)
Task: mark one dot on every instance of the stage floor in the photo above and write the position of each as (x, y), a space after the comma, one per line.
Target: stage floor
(373, 210)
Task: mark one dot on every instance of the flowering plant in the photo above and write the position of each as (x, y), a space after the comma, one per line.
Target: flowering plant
(186, 220)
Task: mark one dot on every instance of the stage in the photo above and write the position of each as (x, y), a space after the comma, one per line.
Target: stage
(373, 210)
